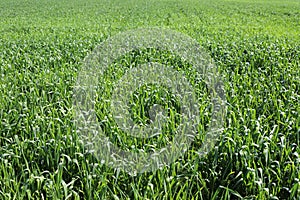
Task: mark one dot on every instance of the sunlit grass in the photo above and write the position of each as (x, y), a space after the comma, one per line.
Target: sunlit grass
(255, 45)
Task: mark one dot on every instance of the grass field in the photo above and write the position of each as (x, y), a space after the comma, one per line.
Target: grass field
(255, 45)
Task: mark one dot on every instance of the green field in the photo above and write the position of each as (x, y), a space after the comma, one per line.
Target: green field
(254, 44)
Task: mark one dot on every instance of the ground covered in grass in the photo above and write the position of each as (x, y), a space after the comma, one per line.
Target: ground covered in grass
(255, 44)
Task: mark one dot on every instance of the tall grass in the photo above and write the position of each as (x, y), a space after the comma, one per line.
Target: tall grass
(255, 45)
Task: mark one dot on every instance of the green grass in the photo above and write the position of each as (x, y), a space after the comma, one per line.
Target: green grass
(255, 44)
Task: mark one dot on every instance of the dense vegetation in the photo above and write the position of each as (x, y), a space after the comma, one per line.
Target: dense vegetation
(255, 44)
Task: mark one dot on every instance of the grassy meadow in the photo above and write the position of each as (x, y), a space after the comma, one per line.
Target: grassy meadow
(254, 44)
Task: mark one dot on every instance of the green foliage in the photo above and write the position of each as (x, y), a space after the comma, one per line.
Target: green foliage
(256, 46)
